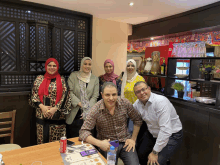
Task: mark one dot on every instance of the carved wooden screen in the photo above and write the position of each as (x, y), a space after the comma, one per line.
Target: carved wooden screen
(68, 41)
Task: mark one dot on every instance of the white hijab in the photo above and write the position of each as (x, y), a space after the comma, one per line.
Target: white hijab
(85, 77)
(128, 77)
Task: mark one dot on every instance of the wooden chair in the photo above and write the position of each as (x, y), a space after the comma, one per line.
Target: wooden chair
(8, 115)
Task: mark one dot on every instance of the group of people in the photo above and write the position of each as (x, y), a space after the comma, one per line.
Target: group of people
(90, 107)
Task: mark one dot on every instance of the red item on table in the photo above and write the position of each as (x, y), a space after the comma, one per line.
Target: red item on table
(63, 142)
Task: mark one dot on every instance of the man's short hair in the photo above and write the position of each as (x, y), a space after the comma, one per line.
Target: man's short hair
(140, 82)
(108, 84)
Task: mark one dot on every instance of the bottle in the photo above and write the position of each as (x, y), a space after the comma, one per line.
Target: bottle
(1, 160)
(163, 68)
(111, 156)
(63, 143)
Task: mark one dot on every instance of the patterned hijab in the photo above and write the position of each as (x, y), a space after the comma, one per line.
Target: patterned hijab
(85, 77)
(110, 76)
(128, 77)
(43, 89)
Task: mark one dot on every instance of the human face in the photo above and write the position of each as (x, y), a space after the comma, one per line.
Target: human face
(130, 67)
(143, 92)
(51, 67)
(110, 96)
(108, 68)
(87, 65)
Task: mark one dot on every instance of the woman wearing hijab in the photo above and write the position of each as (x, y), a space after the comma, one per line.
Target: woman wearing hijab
(48, 93)
(109, 76)
(130, 77)
(84, 91)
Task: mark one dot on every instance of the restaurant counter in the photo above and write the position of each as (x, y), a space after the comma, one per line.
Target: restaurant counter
(201, 131)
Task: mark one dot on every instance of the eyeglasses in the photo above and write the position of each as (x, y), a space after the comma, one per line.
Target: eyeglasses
(142, 90)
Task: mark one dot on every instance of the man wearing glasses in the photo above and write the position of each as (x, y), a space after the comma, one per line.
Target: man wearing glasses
(164, 134)
(110, 115)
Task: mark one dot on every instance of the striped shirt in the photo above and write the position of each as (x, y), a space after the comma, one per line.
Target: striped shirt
(113, 127)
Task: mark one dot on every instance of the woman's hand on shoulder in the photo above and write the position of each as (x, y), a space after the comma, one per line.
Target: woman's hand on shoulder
(80, 104)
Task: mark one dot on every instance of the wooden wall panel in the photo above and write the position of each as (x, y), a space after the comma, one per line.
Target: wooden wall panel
(24, 133)
(201, 133)
(202, 17)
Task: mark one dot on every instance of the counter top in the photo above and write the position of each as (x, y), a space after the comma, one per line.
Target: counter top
(196, 105)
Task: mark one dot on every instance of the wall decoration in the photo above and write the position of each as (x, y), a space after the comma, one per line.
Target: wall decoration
(211, 38)
(155, 69)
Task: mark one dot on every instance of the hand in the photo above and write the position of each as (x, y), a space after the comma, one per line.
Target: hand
(104, 145)
(129, 143)
(152, 159)
(51, 112)
(80, 104)
(81, 116)
(44, 110)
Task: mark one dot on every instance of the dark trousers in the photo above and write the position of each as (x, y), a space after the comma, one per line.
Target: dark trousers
(72, 130)
(147, 142)
(128, 158)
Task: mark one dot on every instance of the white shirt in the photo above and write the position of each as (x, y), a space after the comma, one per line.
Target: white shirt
(161, 118)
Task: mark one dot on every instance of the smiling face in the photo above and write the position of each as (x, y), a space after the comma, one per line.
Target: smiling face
(110, 96)
(143, 92)
(51, 67)
(108, 68)
(87, 65)
(130, 67)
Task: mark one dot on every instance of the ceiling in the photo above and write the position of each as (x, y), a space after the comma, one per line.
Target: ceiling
(119, 10)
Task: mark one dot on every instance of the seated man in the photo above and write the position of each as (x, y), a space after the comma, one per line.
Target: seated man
(164, 134)
(110, 117)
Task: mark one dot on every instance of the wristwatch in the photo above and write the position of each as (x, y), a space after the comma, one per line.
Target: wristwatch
(155, 152)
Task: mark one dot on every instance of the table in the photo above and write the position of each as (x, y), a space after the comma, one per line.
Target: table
(47, 153)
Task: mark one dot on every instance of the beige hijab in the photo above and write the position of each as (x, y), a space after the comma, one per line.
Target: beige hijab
(85, 77)
(128, 77)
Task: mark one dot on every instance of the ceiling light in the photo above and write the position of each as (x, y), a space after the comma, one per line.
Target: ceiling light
(131, 3)
(152, 38)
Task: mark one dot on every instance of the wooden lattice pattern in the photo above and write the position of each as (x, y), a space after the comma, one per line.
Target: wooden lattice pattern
(68, 50)
(25, 46)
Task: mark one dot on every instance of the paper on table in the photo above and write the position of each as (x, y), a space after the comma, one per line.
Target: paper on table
(73, 157)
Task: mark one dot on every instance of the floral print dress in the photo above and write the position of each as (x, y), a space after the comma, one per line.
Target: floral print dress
(50, 130)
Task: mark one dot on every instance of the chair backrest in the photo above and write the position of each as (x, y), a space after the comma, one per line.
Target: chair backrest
(11, 116)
